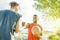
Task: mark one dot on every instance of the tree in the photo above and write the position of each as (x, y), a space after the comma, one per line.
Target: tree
(53, 7)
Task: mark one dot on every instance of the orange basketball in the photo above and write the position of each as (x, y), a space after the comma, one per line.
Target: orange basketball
(36, 30)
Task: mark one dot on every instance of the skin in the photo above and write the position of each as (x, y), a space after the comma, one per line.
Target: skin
(27, 26)
(17, 27)
(23, 24)
(35, 19)
(15, 9)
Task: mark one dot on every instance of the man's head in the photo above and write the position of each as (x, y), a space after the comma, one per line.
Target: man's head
(14, 6)
(35, 18)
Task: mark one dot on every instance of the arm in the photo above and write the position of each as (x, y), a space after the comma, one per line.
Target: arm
(28, 25)
(17, 26)
(41, 30)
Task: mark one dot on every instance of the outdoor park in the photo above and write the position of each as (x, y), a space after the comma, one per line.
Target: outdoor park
(48, 12)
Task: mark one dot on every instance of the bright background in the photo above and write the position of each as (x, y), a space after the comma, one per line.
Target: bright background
(27, 10)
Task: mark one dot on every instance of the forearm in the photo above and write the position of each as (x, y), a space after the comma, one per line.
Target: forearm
(17, 27)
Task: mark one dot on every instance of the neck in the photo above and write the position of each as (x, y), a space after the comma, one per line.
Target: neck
(35, 22)
(13, 9)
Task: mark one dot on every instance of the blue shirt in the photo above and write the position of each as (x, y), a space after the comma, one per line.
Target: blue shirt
(8, 20)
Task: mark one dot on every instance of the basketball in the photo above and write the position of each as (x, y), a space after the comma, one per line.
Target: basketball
(36, 30)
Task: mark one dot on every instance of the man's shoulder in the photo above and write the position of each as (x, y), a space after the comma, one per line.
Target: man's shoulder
(6, 10)
(3, 12)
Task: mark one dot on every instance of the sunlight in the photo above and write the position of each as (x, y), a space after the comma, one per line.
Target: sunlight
(48, 23)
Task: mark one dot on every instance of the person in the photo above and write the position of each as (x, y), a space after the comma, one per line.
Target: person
(9, 19)
(24, 31)
(23, 26)
(30, 26)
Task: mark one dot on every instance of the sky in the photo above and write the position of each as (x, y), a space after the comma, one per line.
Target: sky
(27, 10)
(26, 7)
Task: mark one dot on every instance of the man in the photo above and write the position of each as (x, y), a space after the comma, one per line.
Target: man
(19, 36)
(8, 20)
(30, 35)
(24, 31)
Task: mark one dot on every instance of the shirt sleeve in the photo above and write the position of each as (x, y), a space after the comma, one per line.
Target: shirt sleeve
(15, 18)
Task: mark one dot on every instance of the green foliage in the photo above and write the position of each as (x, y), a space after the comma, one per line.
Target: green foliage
(48, 4)
(52, 5)
(52, 37)
(58, 32)
(55, 37)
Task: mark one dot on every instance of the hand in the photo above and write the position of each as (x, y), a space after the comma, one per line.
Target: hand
(28, 25)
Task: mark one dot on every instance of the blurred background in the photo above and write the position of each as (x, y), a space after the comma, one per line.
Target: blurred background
(48, 12)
